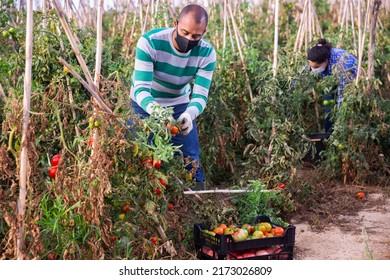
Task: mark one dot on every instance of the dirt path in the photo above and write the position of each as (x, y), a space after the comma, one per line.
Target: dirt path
(359, 236)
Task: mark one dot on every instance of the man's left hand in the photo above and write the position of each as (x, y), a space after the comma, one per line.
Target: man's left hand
(185, 123)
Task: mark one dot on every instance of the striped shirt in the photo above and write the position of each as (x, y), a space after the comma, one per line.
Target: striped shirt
(162, 75)
(346, 65)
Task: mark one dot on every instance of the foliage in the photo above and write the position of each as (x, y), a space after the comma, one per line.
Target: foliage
(259, 201)
(109, 200)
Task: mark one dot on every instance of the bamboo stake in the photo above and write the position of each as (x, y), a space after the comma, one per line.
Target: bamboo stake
(362, 40)
(127, 11)
(353, 25)
(88, 87)
(298, 34)
(2, 93)
(224, 191)
(72, 105)
(309, 21)
(276, 34)
(99, 44)
(98, 64)
(224, 25)
(360, 51)
(236, 31)
(20, 254)
(371, 51)
(72, 41)
(44, 10)
(141, 19)
(301, 30)
(306, 27)
(230, 35)
(146, 17)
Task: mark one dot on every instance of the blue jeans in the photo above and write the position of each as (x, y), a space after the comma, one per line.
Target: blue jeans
(189, 143)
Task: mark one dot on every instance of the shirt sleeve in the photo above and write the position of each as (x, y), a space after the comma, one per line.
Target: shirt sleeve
(349, 73)
(202, 83)
(143, 74)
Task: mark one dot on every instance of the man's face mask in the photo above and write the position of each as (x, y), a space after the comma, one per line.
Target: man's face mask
(184, 44)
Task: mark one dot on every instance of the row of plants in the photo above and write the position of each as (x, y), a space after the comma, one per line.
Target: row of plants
(117, 191)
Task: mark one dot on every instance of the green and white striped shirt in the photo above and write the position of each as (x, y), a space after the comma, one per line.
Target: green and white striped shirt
(162, 75)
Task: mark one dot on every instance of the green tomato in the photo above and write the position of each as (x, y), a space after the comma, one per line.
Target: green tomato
(325, 103)
(6, 34)
(332, 102)
(12, 31)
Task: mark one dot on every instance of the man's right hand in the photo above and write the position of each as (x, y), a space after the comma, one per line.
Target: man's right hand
(186, 123)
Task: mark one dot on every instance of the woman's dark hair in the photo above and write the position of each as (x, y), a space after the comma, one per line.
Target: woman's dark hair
(320, 52)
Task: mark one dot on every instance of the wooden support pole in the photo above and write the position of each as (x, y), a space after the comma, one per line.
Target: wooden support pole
(276, 37)
(23, 178)
(371, 50)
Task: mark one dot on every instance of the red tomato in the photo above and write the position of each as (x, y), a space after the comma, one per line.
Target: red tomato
(174, 129)
(360, 195)
(55, 160)
(156, 163)
(154, 240)
(171, 206)
(162, 182)
(261, 252)
(157, 191)
(126, 208)
(53, 172)
(282, 186)
(218, 230)
(90, 141)
(279, 231)
(222, 226)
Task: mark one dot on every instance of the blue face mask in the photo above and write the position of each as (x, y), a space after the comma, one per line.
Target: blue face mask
(184, 44)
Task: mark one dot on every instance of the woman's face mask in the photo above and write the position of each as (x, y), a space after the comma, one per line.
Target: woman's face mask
(318, 70)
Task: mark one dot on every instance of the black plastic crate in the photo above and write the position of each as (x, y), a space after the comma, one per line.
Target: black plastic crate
(222, 246)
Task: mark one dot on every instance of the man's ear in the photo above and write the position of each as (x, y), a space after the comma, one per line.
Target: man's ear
(205, 31)
(175, 23)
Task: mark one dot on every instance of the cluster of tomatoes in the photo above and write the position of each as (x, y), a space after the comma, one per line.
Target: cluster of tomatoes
(55, 160)
(247, 231)
(156, 164)
(175, 129)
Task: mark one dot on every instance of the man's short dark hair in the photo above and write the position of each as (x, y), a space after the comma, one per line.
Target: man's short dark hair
(198, 12)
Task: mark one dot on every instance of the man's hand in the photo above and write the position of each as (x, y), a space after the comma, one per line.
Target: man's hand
(185, 123)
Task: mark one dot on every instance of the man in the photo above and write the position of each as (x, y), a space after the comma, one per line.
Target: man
(167, 61)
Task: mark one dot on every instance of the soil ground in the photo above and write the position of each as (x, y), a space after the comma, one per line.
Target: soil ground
(342, 227)
(359, 236)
